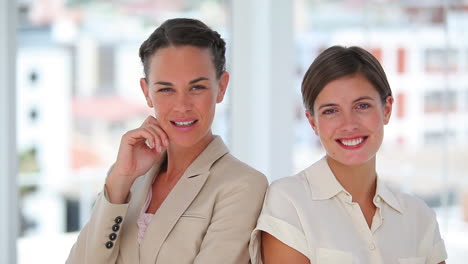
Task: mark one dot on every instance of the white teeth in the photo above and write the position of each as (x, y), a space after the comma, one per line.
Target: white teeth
(186, 123)
(352, 142)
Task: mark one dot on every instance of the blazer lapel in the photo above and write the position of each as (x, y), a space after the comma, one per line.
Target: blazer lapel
(178, 200)
(129, 248)
(168, 214)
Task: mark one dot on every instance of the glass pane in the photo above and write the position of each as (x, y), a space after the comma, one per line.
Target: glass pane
(78, 93)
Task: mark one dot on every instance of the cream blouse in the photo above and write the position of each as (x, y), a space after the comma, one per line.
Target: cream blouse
(312, 213)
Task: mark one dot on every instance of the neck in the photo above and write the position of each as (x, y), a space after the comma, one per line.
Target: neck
(359, 180)
(179, 158)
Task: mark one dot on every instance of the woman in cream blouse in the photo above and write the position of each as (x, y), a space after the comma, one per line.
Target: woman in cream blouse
(175, 194)
(338, 210)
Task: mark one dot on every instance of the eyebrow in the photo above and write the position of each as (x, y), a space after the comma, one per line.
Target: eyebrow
(198, 79)
(191, 82)
(326, 105)
(354, 101)
(363, 98)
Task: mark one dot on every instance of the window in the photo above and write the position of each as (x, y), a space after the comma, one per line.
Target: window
(438, 101)
(438, 137)
(440, 60)
(377, 52)
(400, 101)
(401, 60)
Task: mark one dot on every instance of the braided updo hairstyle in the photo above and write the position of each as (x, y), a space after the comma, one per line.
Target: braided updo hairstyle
(181, 32)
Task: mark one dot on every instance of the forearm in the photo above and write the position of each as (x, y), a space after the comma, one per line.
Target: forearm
(117, 188)
(92, 245)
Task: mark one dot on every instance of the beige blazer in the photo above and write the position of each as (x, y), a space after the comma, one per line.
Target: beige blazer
(207, 217)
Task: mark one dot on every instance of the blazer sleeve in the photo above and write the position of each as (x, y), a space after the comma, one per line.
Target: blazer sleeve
(98, 242)
(234, 217)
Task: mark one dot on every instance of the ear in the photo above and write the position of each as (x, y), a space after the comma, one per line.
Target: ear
(223, 83)
(145, 90)
(388, 109)
(312, 121)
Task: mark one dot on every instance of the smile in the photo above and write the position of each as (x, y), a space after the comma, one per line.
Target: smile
(184, 123)
(352, 142)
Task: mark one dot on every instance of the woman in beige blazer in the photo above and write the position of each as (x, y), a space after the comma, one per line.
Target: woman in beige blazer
(175, 194)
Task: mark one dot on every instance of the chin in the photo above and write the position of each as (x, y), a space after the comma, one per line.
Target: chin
(183, 142)
(186, 141)
(352, 160)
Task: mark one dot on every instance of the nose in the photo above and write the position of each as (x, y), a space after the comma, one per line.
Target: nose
(349, 122)
(183, 103)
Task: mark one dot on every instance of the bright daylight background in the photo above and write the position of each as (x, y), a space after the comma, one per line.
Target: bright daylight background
(78, 92)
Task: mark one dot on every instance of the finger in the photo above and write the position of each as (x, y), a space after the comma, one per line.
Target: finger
(153, 122)
(157, 139)
(139, 135)
(152, 119)
(161, 134)
(153, 138)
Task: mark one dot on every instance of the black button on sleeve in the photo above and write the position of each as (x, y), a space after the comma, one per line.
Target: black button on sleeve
(112, 236)
(118, 219)
(116, 227)
(109, 244)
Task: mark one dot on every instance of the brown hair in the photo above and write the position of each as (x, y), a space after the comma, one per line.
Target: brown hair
(336, 62)
(185, 31)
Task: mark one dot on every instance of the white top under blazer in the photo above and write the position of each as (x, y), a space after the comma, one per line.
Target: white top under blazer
(312, 213)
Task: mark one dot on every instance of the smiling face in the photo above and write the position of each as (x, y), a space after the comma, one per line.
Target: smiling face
(183, 89)
(349, 117)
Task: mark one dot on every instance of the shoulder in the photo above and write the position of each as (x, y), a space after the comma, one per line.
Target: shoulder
(414, 208)
(417, 220)
(289, 183)
(233, 182)
(290, 186)
(283, 204)
(229, 169)
(305, 184)
(230, 177)
(412, 203)
(287, 194)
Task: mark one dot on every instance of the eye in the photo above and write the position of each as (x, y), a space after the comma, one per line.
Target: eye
(197, 87)
(329, 111)
(363, 106)
(164, 90)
